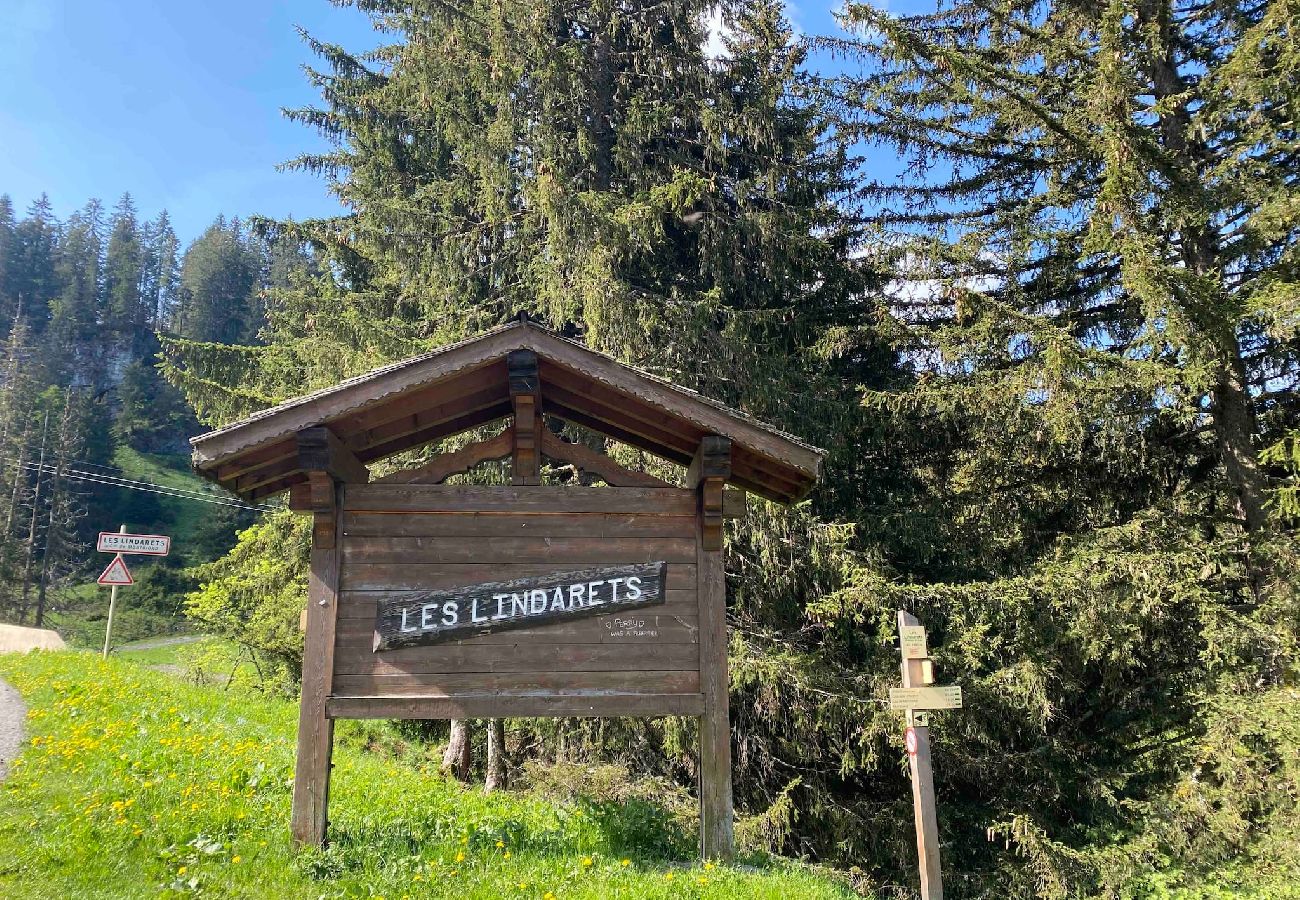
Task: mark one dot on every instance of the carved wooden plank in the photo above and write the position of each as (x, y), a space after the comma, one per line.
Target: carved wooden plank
(583, 551)
(457, 462)
(483, 705)
(529, 602)
(516, 682)
(708, 473)
(588, 460)
(515, 500)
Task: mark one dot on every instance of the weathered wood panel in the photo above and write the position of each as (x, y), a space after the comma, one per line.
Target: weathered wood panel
(481, 705)
(364, 604)
(448, 685)
(529, 656)
(519, 499)
(531, 548)
(538, 602)
(474, 524)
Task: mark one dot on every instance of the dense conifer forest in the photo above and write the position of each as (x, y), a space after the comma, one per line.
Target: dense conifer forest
(1053, 364)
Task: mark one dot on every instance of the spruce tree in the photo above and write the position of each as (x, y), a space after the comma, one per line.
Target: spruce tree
(125, 311)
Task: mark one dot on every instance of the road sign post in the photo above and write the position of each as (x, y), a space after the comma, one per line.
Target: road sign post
(119, 542)
(912, 697)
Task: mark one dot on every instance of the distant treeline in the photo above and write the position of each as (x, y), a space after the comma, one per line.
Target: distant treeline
(82, 305)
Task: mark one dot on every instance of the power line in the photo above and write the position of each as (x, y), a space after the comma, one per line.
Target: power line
(145, 486)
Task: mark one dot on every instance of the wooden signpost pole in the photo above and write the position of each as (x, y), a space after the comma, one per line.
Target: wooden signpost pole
(923, 803)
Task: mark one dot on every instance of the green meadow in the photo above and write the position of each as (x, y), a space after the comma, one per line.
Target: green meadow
(136, 783)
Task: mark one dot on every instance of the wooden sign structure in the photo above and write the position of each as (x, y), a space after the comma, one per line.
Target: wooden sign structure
(917, 697)
(428, 600)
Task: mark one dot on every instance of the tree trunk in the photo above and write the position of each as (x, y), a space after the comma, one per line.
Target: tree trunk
(496, 756)
(456, 758)
(1234, 431)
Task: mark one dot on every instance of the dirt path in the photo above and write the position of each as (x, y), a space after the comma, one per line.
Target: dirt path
(12, 715)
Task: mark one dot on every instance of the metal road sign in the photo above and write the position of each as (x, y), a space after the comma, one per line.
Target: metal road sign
(946, 697)
(911, 638)
(116, 573)
(143, 544)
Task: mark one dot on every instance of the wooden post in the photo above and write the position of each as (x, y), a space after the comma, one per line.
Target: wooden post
(923, 803)
(112, 608)
(311, 777)
(525, 396)
(708, 475)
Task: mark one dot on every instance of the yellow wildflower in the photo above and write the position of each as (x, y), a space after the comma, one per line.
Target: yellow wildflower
(625, 863)
(501, 843)
(586, 860)
(182, 870)
(460, 857)
(505, 855)
(237, 859)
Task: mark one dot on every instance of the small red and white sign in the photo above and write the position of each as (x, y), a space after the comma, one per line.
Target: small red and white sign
(143, 544)
(909, 737)
(116, 573)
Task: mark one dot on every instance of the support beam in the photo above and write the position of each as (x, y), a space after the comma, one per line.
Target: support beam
(526, 397)
(923, 802)
(311, 778)
(457, 462)
(320, 450)
(708, 473)
(583, 457)
(717, 840)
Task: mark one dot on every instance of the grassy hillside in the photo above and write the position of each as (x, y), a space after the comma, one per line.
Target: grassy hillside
(136, 784)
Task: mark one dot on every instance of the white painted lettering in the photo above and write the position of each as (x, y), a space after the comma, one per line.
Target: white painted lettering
(519, 604)
(576, 595)
(593, 593)
(557, 601)
(537, 602)
(500, 599)
(404, 628)
(473, 612)
(613, 587)
(634, 587)
(450, 612)
(426, 617)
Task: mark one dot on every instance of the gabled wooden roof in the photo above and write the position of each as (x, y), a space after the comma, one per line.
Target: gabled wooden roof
(464, 385)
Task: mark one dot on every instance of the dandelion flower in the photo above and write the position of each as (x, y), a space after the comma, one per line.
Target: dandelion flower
(460, 857)
(182, 870)
(505, 855)
(501, 843)
(625, 863)
(586, 860)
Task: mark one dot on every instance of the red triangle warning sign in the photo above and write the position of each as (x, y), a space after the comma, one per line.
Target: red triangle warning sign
(116, 573)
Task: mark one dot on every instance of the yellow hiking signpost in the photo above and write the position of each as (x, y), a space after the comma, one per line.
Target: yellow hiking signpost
(917, 697)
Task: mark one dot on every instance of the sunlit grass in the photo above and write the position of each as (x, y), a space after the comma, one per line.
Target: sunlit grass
(135, 784)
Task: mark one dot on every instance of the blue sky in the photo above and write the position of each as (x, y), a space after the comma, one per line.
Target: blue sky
(176, 101)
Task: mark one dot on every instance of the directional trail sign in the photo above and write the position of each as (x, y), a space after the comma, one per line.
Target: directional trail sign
(947, 697)
(143, 544)
(116, 573)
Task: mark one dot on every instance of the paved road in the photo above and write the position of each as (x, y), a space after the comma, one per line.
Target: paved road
(160, 642)
(12, 715)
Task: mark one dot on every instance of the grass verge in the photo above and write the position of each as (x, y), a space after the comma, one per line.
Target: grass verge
(136, 784)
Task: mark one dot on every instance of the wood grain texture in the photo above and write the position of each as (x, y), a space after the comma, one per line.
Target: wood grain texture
(717, 840)
(427, 499)
(540, 548)
(536, 602)
(474, 525)
(525, 656)
(924, 808)
(315, 729)
(486, 705)
(542, 683)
